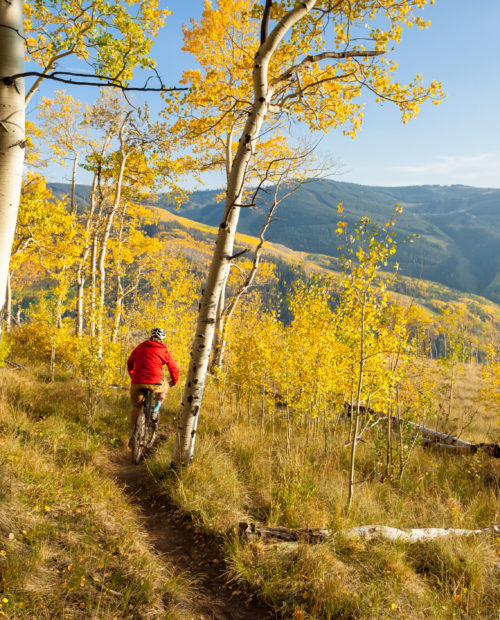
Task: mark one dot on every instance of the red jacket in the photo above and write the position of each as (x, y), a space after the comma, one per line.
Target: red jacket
(146, 361)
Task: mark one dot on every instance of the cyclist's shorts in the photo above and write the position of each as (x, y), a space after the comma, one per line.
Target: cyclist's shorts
(136, 395)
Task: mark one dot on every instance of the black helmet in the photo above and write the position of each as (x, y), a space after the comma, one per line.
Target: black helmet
(157, 333)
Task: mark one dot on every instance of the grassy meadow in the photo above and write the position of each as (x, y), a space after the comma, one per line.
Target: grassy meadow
(242, 472)
(71, 545)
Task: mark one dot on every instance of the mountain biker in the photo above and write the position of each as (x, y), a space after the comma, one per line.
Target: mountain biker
(145, 367)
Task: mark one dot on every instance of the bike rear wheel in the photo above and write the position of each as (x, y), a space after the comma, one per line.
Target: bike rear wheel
(138, 438)
(151, 424)
(145, 428)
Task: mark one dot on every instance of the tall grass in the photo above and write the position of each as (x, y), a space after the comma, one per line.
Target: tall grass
(70, 544)
(242, 471)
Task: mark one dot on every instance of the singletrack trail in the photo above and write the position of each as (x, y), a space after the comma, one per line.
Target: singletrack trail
(190, 551)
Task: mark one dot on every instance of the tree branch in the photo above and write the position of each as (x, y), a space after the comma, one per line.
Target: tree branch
(265, 21)
(238, 254)
(102, 81)
(309, 60)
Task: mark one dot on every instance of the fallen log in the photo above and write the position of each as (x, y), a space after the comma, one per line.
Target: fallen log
(435, 439)
(431, 434)
(491, 449)
(15, 365)
(251, 531)
(449, 443)
(368, 532)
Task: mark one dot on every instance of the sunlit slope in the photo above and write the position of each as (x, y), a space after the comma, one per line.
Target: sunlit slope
(458, 226)
(197, 241)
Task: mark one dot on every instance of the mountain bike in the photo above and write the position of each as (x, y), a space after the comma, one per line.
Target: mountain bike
(145, 427)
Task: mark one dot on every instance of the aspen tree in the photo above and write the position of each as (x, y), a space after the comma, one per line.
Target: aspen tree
(363, 300)
(110, 37)
(126, 168)
(455, 326)
(299, 62)
(131, 255)
(45, 234)
(12, 136)
(62, 122)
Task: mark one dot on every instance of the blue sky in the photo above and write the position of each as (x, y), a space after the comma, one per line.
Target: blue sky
(456, 142)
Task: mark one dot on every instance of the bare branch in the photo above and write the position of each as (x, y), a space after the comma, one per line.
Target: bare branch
(102, 81)
(309, 60)
(238, 254)
(276, 200)
(265, 21)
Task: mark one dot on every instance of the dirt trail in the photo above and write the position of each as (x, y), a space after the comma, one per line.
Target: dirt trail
(189, 550)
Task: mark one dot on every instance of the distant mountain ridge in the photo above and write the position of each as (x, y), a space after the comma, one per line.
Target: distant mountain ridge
(458, 226)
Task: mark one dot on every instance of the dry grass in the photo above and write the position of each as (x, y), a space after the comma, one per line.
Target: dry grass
(471, 417)
(241, 468)
(70, 545)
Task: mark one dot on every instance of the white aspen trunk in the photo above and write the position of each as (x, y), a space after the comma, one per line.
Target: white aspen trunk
(434, 436)
(120, 292)
(118, 314)
(80, 274)
(12, 138)
(80, 286)
(120, 296)
(369, 532)
(59, 321)
(352, 466)
(219, 335)
(202, 342)
(93, 282)
(252, 531)
(105, 237)
(73, 184)
(219, 324)
(8, 305)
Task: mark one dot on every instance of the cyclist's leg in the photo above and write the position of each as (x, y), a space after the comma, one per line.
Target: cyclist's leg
(160, 396)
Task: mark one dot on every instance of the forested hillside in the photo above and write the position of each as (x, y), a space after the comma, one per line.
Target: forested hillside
(458, 226)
